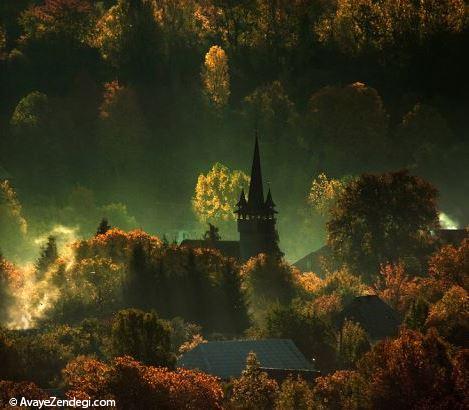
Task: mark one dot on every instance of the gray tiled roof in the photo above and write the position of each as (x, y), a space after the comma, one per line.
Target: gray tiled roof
(227, 359)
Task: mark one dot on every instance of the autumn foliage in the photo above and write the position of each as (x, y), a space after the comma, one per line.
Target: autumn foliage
(412, 371)
(9, 389)
(135, 386)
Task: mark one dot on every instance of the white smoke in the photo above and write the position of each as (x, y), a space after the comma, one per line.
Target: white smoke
(36, 296)
(447, 222)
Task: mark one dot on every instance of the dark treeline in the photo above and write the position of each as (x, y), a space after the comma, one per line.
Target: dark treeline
(132, 100)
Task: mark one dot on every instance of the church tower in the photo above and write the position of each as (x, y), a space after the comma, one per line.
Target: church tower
(256, 216)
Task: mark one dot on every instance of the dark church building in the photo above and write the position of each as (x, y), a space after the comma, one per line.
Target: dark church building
(256, 221)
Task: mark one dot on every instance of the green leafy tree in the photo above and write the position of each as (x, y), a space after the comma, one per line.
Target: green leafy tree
(422, 133)
(143, 336)
(353, 343)
(382, 218)
(129, 38)
(267, 280)
(417, 314)
(314, 338)
(346, 126)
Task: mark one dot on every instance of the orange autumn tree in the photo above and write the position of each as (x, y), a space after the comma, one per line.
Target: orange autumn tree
(10, 389)
(412, 371)
(136, 386)
(116, 244)
(450, 316)
(396, 287)
(450, 266)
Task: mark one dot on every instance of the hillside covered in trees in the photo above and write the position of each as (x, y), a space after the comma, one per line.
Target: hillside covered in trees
(122, 104)
(128, 125)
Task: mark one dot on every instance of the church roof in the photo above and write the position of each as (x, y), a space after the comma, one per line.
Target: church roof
(229, 249)
(227, 359)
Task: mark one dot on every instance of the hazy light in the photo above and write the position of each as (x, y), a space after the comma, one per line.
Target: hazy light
(447, 222)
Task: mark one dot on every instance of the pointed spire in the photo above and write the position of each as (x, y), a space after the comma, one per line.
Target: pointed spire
(242, 203)
(269, 202)
(256, 190)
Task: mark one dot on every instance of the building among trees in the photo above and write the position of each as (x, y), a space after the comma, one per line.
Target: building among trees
(376, 317)
(256, 221)
(226, 359)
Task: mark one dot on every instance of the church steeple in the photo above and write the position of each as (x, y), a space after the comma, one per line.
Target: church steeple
(256, 189)
(256, 217)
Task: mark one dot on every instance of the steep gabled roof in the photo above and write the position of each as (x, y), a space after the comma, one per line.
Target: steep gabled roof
(269, 203)
(376, 317)
(227, 359)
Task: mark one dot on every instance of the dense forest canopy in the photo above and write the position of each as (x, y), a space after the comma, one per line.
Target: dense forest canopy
(128, 125)
(117, 107)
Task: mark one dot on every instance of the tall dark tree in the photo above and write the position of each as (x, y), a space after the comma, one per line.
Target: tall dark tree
(143, 336)
(382, 218)
(212, 235)
(103, 227)
(49, 255)
(233, 299)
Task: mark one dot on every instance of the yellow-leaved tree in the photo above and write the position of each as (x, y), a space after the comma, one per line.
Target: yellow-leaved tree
(216, 77)
(217, 193)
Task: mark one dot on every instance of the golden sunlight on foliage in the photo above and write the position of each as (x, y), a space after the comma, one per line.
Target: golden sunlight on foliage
(191, 344)
(10, 210)
(450, 316)
(109, 31)
(450, 266)
(116, 244)
(326, 306)
(309, 281)
(359, 25)
(396, 287)
(216, 77)
(216, 193)
(324, 192)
